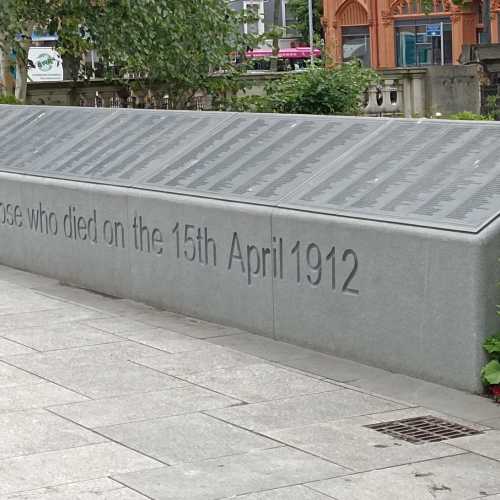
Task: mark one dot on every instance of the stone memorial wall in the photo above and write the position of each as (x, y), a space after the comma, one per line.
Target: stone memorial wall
(372, 239)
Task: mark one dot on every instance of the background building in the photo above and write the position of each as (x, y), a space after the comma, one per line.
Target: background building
(264, 9)
(398, 33)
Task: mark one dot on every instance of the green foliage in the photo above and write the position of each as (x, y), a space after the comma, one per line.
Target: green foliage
(490, 373)
(180, 42)
(492, 346)
(321, 91)
(467, 115)
(8, 99)
(300, 10)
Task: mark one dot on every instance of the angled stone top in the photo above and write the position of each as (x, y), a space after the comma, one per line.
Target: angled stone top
(438, 174)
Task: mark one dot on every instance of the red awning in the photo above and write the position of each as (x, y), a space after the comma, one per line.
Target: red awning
(295, 53)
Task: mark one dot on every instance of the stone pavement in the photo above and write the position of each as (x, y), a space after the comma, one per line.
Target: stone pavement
(103, 398)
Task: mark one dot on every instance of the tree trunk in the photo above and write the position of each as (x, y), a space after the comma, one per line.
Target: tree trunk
(6, 81)
(276, 36)
(21, 79)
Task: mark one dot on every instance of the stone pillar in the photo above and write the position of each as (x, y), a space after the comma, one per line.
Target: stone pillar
(418, 95)
(407, 97)
(387, 54)
(495, 35)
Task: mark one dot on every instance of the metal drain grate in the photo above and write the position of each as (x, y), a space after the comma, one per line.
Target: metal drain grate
(426, 429)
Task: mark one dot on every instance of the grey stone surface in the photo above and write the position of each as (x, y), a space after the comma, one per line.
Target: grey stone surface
(494, 422)
(57, 444)
(68, 466)
(259, 382)
(164, 340)
(97, 371)
(262, 347)
(459, 477)
(87, 490)
(8, 348)
(62, 314)
(450, 401)
(202, 360)
(101, 380)
(192, 327)
(487, 444)
(287, 493)
(36, 395)
(144, 406)
(349, 443)
(230, 476)
(186, 438)
(303, 410)
(334, 368)
(356, 257)
(61, 336)
(38, 431)
(11, 376)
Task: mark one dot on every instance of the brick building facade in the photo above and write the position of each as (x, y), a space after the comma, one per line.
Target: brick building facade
(397, 33)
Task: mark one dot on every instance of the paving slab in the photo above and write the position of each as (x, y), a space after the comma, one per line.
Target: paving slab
(62, 314)
(303, 410)
(59, 336)
(349, 443)
(117, 324)
(70, 465)
(36, 431)
(98, 489)
(11, 376)
(165, 340)
(144, 406)
(449, 401)
(62, 358)
(460, 477)
(37, 395)
(486, 444)
(287, 493)
(186, 438)
(230, 476)
(334, 368)
(98, 371)
(203, 360)
(186, 325)
(19, 300)
(89, 298)
(259, 382)
(494, 423)
(262, 347)
(10, 348)
(106, 380)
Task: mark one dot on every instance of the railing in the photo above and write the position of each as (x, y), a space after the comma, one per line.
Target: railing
(385, 99)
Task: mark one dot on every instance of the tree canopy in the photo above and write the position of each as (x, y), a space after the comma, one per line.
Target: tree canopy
(300, 10)
(179, 42)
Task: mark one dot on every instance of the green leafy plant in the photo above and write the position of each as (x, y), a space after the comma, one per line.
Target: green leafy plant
(490, 374)
(467, 115)
(317, 90)
(8, 99)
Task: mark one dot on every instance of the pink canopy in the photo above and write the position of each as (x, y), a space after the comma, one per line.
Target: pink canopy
(295, 53)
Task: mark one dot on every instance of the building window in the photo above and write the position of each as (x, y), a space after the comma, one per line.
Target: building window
(419, 44)
(356, 44)
(256, 8)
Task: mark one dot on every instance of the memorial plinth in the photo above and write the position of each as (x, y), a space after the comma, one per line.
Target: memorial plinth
(372, 239)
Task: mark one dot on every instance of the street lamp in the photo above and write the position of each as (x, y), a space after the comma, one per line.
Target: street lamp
(311, 34)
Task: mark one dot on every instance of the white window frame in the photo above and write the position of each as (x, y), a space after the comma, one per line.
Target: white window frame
(260, 22)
